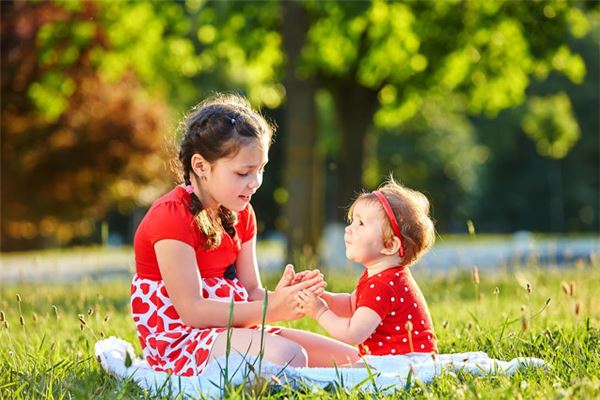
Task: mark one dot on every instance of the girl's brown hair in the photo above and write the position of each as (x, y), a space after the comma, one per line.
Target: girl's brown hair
(218, 127)
(411, 209)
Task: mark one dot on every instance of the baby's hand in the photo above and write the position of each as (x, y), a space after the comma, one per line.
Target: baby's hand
(317, 288)
(308, 303)
(304, 275)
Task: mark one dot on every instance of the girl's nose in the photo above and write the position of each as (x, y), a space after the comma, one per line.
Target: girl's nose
(256, 182)
(347, 229)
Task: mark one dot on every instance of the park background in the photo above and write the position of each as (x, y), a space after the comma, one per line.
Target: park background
(491, 108)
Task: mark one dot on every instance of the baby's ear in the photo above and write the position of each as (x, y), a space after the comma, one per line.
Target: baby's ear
(391, 246)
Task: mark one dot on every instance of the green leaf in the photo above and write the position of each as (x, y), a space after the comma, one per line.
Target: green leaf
(550, 122)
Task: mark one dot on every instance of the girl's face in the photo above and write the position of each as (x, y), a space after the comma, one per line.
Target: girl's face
(231, 181)
(364, 235)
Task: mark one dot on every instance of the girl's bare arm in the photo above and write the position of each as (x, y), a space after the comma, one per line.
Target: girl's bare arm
(179, 270)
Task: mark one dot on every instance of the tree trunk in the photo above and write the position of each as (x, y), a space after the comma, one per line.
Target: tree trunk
(304, 165)
(355, 107)
(557, 208)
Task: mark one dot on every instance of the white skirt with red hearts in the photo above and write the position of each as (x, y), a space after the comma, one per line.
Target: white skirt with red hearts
(168, 344)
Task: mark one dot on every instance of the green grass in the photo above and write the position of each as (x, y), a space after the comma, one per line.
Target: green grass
(51, 354)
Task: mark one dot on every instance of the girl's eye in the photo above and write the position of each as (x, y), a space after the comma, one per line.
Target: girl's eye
(242, 174)
(360, 223)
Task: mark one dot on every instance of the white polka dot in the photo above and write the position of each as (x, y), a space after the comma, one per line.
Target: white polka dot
(377, 298)
(416, 332)
(397, 328)
(429, 337)
(381, 324)
(422, 346)
(415, 304)
(401, 299)
(397, 273)
(388, 337)
(378, 274)
(393, 312)
(393, 299)
(409, 316)
(372, 285)
(404, 340)
(406, 288)
(422, 322)
(393, 351)
(381, 344)
(391, 283)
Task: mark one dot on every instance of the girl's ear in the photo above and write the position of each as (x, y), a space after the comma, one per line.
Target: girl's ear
(199, 165)
(391, 247)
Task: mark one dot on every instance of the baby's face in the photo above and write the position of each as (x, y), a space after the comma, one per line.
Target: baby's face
(364, 235)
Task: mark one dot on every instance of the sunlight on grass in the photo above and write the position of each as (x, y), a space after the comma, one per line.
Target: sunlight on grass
(48, 332)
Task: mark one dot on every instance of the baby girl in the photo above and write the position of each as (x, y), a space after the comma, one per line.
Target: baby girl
(389, 230)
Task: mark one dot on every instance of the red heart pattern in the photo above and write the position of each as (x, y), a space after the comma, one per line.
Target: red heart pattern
(145, 288)
(223, 292)
(168, 344)
(139, 307)
(171, 313)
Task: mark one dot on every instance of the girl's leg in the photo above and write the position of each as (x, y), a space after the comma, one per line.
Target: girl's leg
(279, 350)
(322, 351)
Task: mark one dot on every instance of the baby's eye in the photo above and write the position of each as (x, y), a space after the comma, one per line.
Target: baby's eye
(242, 174)
(360, 223)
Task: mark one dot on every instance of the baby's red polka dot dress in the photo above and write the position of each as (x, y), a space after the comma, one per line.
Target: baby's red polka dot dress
(395, 296)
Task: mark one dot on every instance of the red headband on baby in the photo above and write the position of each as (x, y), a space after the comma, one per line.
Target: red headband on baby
(388, 210)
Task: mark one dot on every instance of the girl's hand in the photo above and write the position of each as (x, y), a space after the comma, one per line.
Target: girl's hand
(318, 289)
(282, 301)
(301, 275)
(288, 277)
(308, 303)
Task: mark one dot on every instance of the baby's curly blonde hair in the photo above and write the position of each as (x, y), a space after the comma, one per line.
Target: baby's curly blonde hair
(411, 209)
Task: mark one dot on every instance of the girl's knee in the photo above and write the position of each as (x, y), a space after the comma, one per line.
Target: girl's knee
(277, 349)
(292, 354)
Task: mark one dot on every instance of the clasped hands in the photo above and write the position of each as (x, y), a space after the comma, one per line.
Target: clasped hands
(296, 293)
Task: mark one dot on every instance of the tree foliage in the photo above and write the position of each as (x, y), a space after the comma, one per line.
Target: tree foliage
(391, 86)
(520, 188)
(74, 142)
(408, 75)
(549, 122)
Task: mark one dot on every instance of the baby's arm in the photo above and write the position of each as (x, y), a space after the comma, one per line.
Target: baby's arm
(352, 330)
(341, 304)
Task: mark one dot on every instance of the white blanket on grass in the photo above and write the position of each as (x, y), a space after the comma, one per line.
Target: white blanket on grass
(389, 373)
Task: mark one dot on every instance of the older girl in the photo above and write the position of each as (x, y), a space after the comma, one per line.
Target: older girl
(195, 251)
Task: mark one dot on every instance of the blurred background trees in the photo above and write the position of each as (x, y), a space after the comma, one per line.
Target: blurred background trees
(74, 143)
(491, 108)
